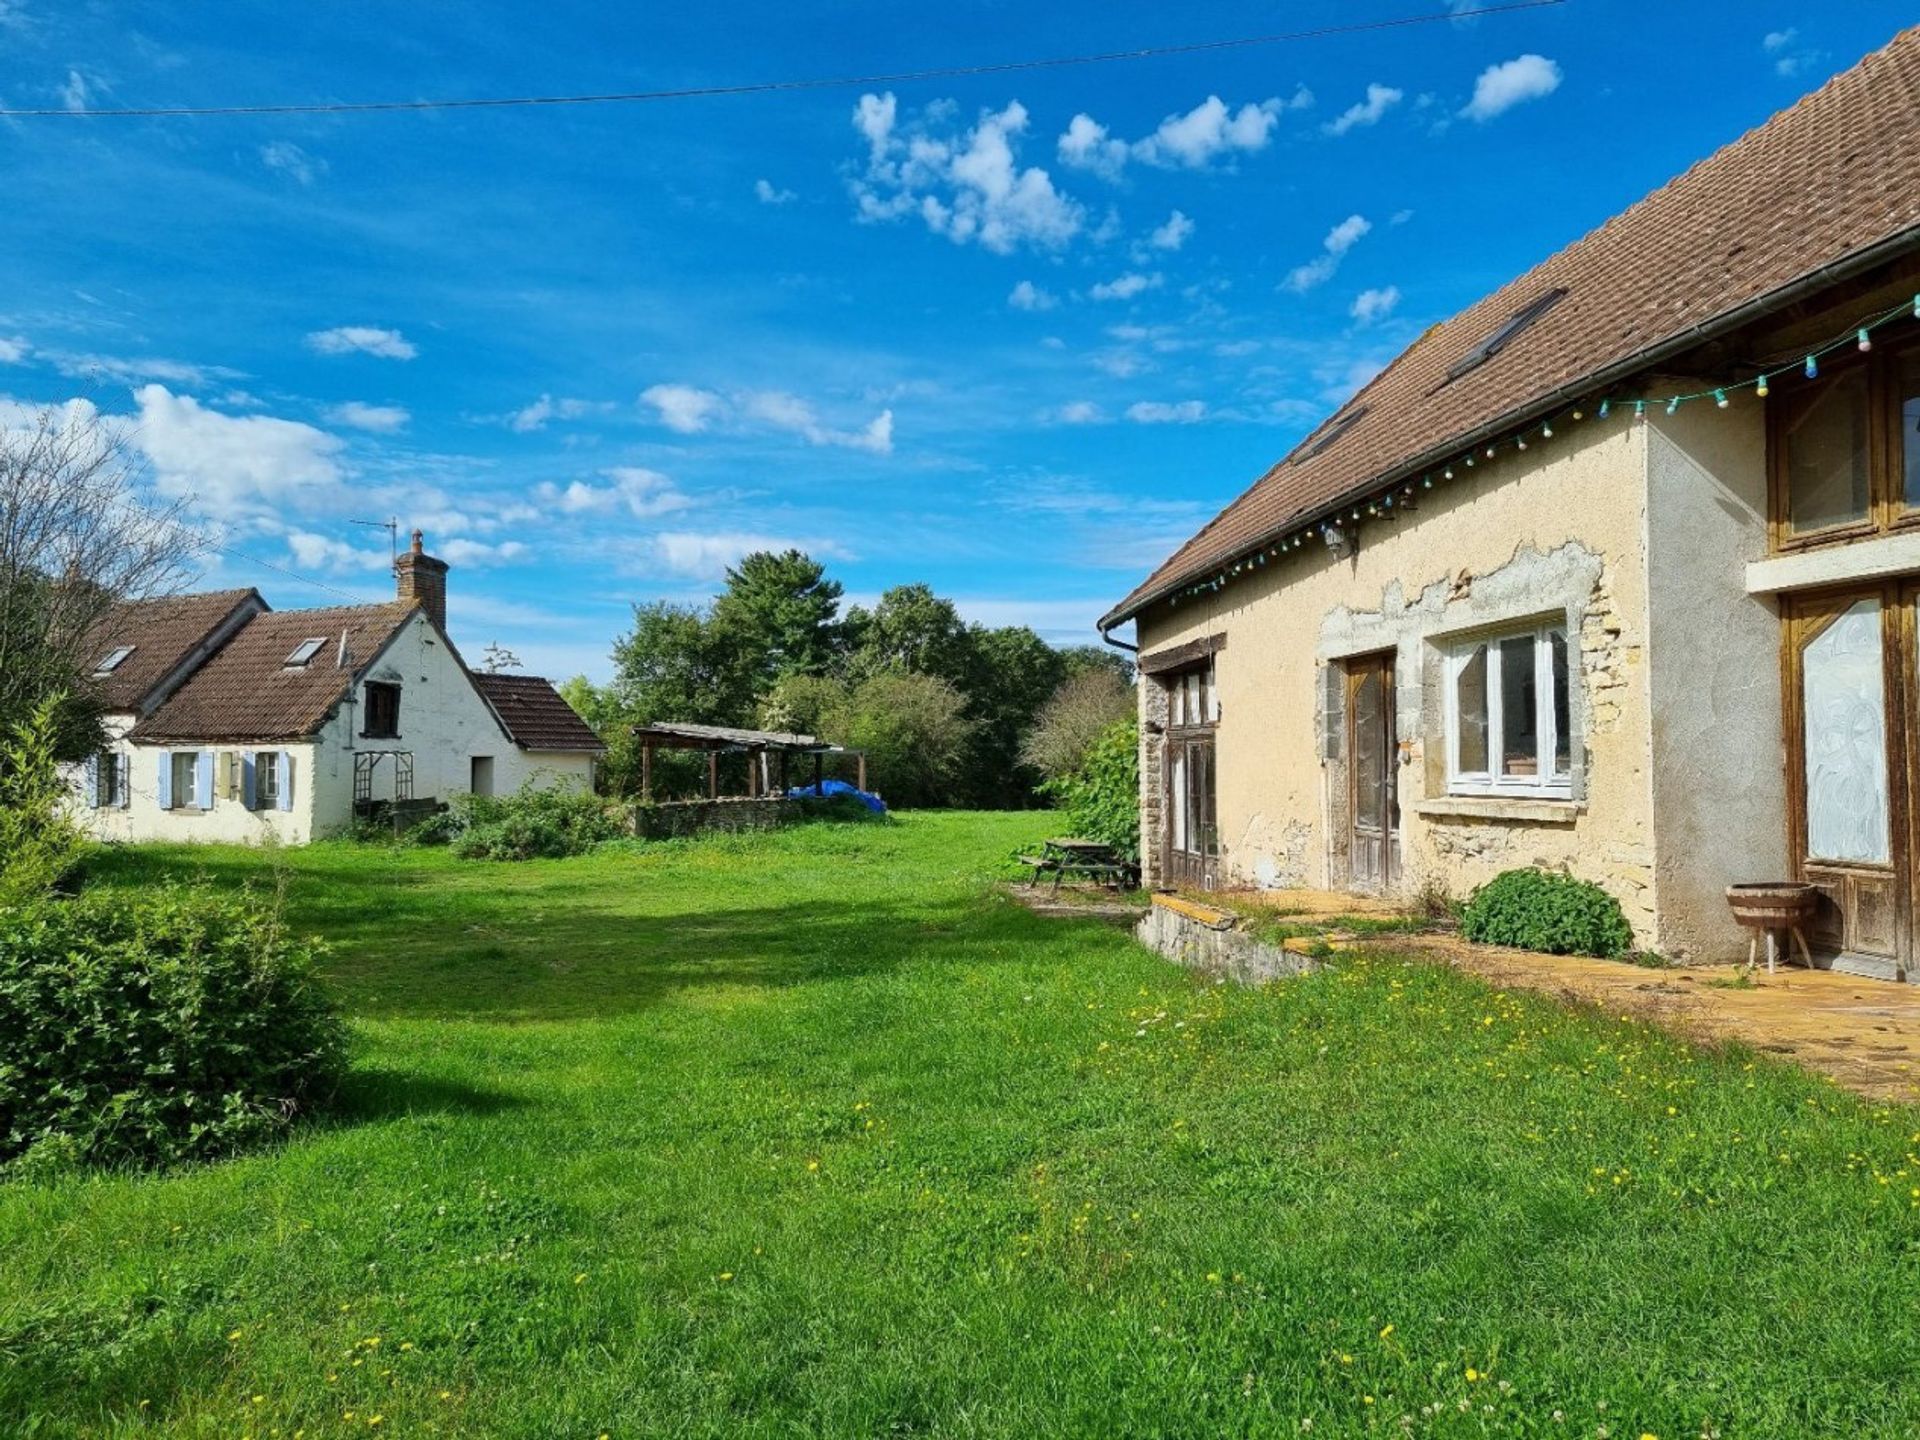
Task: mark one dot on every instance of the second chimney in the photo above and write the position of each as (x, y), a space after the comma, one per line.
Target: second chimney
(421, 579)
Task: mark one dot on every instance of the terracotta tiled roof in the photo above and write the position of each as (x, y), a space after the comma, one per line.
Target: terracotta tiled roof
(535, 714)
(1835, 177)
(247, 691)
(162, 632)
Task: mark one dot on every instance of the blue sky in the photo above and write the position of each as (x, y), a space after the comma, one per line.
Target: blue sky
(1014, 335)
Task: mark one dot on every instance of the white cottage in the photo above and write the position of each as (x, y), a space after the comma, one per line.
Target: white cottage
(230, 721)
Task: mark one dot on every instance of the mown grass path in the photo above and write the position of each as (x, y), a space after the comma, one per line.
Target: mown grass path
(814, 1134)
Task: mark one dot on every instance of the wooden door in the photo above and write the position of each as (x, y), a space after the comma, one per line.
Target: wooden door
(1193, 836)
(1850, 683)
(1373, 802)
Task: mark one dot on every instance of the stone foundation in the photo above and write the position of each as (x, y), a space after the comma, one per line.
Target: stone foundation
(1214, 943)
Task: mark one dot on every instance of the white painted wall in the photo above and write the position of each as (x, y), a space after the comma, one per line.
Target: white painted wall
(443, 722)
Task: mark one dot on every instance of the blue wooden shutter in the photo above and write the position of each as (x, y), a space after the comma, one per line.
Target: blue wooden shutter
(122, 780)
(285, 778)
(92, 780)
(203, 778)
(247, 791)
(163, 787)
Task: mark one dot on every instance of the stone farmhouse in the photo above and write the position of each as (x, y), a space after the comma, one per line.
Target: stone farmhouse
(1615, 571)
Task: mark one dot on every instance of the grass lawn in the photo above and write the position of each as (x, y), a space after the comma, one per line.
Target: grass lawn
(814, 1134)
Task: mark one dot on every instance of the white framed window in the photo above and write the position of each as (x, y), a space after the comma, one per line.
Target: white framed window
(1509, 728)
(186, 774)
(266, 780)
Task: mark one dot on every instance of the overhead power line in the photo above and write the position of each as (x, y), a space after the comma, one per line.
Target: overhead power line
(763, 87)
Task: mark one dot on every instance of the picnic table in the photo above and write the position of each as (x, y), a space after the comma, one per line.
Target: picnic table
(1069, 855)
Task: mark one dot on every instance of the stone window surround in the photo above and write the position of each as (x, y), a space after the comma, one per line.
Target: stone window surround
(1530, 590)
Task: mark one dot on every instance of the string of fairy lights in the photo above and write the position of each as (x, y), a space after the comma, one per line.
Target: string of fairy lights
(1403, 494)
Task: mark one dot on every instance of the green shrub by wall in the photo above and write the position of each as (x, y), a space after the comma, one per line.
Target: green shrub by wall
(1546, 911)
(177, 1026)
(1101, 798)
(533, 824)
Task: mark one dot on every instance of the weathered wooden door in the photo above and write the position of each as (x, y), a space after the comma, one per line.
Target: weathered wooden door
(1193, 838)
(1373, 802)
(1850, 689)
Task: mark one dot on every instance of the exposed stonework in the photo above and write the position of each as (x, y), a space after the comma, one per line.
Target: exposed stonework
(1155, 711)
(1218, 948)
(1279, 854)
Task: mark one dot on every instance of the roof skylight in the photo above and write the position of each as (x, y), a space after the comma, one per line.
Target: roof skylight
(1505, 333)
(304, 651)
(111, 662)
(1336, 427)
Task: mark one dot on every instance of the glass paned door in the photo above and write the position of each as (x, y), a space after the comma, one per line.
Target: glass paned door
(1846, 675)
(1193, 831)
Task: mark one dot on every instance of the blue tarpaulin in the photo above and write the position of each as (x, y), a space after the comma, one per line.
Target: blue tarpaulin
(840, 787)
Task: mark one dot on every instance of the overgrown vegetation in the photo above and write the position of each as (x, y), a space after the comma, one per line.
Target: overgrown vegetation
(810, 1133)
(1101, 795)
(175, 1024)
(1547, 911)
(537, 822)
(39, 841)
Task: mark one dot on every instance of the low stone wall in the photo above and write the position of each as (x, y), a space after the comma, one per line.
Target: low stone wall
(1213, 942)
(675, 818)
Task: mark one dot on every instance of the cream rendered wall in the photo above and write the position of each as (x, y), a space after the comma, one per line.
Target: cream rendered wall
(1719, 759)
(1556, 531)
(227, 821)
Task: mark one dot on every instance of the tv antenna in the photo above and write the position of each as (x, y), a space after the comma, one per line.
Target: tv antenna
(391, 525)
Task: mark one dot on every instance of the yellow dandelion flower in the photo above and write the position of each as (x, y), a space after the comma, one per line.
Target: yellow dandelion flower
(1385, 1331)
(1473, 1375)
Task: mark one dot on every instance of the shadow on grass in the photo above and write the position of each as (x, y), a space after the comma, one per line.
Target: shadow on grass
(383, 1094)
(414, 939)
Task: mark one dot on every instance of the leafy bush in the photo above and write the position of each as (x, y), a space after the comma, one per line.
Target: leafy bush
(1542, 910)
(39, 841)
(912, 727)
(1079, 713)
(1101, 797)
(178, 1025)
(536, 823)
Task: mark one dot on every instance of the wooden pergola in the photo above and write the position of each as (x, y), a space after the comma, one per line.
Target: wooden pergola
(769, 755)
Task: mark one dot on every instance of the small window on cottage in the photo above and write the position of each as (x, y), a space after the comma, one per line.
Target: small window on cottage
(1193, 698)
(1506, 333)
(109, 780)
(304, 651)
(383, 711)
(111, 661)
(266, 780)
(1825, 453)
(185, 765)
(1906, 380)
(1509, 720)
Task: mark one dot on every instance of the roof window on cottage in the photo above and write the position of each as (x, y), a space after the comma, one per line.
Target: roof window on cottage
(1500, 338)
(1338, 426)
(112, 661)
(304, 651)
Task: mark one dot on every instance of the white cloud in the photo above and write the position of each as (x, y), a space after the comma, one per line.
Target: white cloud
(76, 92)
(683, 408)
(1789, 56)
(530, 418)
(1371, 305)
(230, 462)
(1080, 412)
(479, 552)
(1380, 99)
(1173, 234)
(1778, 40)
(128, 370)
(364, 339)
(1301, 99)
(290, 160)
(1086, 145)
(644, 494)
(967, 186)
(784, 411)
(1207, 131)
(707, 556)
(1029, 296)
(13, 351)
(1342, 238)
(1157, 412)
(380, 419)
(1501, 87)
(322, 552)
(767, 193)
(1125, 287)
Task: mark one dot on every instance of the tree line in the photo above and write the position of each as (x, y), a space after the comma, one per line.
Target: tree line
(948, 712)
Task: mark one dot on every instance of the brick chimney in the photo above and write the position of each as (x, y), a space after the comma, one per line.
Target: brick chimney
(420, 579)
